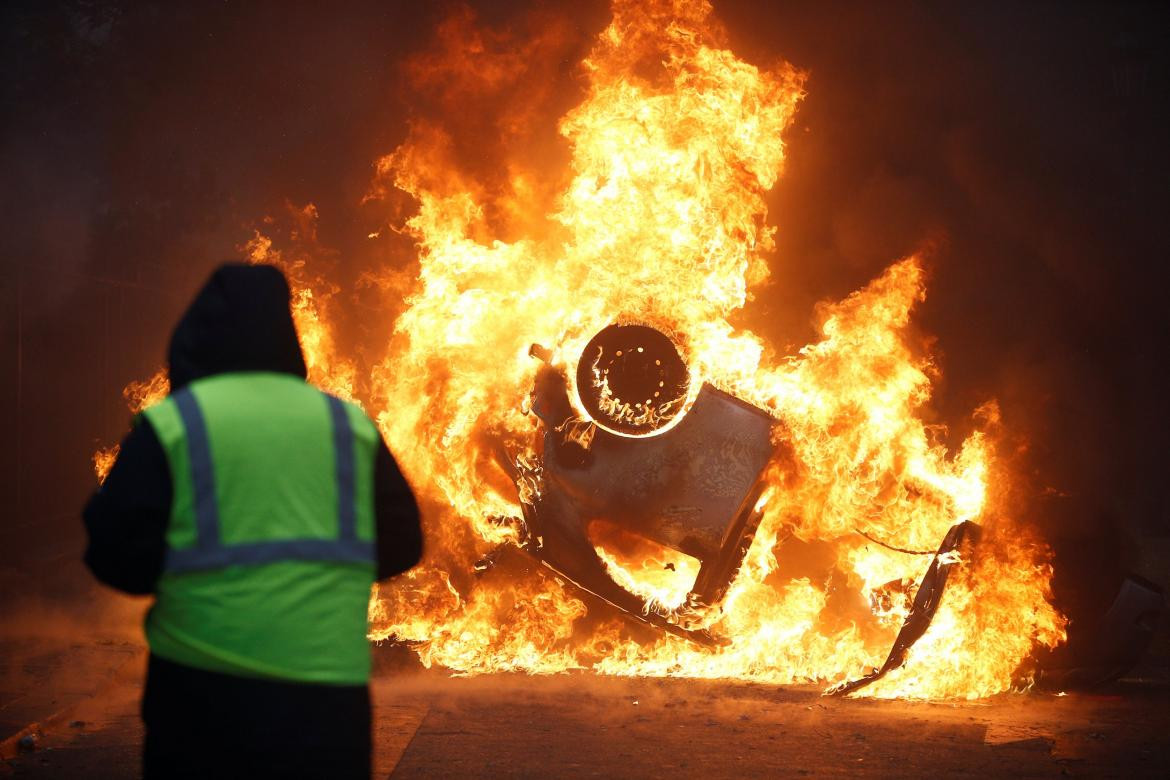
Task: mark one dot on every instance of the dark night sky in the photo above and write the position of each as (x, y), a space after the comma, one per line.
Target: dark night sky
(143, 141)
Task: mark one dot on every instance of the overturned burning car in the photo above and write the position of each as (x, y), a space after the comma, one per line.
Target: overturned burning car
(640, 453)
(684, 478)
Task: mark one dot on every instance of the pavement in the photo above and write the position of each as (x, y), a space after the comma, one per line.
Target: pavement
(69, 709)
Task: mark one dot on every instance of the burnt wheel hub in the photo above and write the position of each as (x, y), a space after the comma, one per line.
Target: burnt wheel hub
(632, 379)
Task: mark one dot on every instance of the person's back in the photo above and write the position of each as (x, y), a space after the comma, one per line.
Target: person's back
(259, 510)
(272, 489)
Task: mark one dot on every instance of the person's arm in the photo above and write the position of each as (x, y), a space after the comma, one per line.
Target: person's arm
(126, 519)
(396, 517)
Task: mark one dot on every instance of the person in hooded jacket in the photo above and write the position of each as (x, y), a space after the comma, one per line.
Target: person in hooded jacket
(258, 511)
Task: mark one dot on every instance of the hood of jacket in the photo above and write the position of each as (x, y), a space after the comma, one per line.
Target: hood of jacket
(239, 321)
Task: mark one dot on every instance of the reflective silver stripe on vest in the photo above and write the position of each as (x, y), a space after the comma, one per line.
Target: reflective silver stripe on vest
(202, 471)
(253, 553)
(343, 447)
(210, 553)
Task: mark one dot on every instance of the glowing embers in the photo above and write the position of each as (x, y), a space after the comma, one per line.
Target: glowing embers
(631, 379)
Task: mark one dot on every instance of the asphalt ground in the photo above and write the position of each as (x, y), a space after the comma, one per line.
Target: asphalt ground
(75, 706)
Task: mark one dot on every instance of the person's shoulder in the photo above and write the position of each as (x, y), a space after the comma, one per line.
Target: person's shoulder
(359, 420)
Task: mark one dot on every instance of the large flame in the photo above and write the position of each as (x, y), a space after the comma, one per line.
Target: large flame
(662, 219)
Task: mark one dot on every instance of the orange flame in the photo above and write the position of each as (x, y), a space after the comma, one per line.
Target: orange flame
(662, 219)
(311, 297)
(138, 395)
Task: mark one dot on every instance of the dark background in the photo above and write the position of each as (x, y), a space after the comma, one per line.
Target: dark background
(142, 143)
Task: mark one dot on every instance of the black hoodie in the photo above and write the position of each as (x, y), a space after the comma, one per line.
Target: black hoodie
(240, 321)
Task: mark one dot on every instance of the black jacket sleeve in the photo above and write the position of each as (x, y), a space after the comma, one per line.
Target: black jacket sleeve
(126, 519)
(399, 535)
